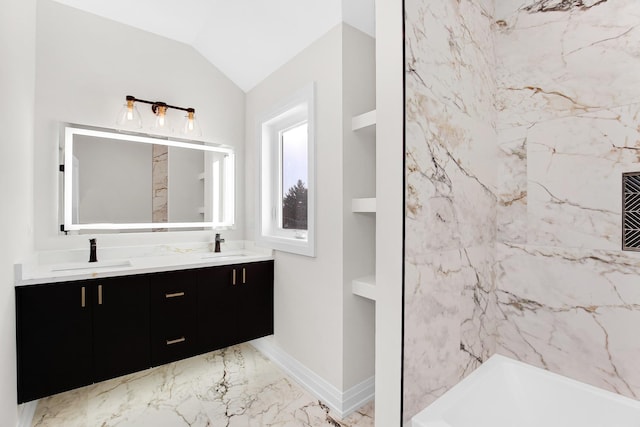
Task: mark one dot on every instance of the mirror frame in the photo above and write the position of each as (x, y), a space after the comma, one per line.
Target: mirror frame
(70, 130)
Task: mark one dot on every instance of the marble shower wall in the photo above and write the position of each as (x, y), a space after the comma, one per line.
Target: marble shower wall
(450, 195)
(568, 100)
(519, 123)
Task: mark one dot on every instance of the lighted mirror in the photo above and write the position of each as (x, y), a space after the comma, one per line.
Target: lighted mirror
(128, 182)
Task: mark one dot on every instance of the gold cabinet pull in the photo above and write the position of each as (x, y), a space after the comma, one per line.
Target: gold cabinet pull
(174, 295)
(244, 275)
(83, 297)
(99, 294)
(233, 281)
(176, 341)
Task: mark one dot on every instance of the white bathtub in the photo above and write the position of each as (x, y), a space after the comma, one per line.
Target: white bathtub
(507, 393)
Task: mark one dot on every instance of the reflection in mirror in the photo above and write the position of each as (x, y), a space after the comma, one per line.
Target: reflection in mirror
(122, 181)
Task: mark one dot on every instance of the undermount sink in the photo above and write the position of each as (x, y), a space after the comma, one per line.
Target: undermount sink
(90, 266)
(223, 255)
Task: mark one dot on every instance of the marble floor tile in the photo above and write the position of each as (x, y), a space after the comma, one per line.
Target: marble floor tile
(233, 387)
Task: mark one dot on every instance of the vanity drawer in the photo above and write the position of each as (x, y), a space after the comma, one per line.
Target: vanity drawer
(173, 317)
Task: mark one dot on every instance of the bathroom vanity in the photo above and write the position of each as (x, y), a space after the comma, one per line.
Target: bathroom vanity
(134, 307)
(77, 326)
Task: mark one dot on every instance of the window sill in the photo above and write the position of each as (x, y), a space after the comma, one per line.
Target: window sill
(288, 244)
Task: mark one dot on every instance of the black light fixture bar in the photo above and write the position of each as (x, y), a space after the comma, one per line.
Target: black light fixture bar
(156, 104)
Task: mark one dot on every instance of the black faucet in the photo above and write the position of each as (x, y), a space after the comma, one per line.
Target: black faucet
(93, 256)
(218, 240)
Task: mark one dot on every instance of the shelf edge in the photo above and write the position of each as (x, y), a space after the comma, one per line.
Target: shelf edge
(363, 120)
(364, 287)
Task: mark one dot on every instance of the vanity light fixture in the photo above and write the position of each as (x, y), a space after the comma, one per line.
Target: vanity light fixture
(129, 117)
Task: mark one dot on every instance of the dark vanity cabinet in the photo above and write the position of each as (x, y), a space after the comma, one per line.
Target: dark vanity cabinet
(75, 333)
(235, 304)
(173, 316)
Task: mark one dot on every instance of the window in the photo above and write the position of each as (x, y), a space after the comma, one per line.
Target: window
(285, 219)
(294, 176)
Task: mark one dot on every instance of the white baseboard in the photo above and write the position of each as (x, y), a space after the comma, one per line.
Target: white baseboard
(342, 403)
(26, 411)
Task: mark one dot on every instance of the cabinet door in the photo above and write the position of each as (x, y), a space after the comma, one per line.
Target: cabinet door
(216, 308)
(235, 304)
(173, 316)
(121, 326)
(254, 300)
(54, 338)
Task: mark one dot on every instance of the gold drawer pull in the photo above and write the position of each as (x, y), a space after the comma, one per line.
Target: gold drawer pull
(176, 341)
(83, 297)
(233, 282)
(244, 275)
(99, 294)
(174, 295)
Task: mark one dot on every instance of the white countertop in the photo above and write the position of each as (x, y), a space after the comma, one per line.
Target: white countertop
(64, 266)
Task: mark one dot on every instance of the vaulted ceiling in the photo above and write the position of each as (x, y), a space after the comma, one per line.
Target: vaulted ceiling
(245, 39)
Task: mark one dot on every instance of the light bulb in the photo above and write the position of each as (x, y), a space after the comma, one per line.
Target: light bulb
(129, 117)
(161, 122)
(190, 126)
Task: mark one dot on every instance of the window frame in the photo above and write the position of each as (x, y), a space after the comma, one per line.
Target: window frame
(293, 111)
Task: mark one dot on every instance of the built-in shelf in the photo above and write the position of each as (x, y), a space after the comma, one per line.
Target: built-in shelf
(363, 205)
(364, 287)
(363, 120)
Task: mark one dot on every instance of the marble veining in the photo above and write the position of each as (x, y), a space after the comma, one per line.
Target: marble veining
(568, 111)
(451, 196)
(233, 387)
(450, 304)
(562, 5)
(574, 315)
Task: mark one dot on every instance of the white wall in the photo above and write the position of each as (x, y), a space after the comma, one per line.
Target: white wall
(17, 56)
(318, 321)
(308, 291)
(85, 67)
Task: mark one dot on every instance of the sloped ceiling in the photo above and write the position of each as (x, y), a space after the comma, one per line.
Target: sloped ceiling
(245, 39)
